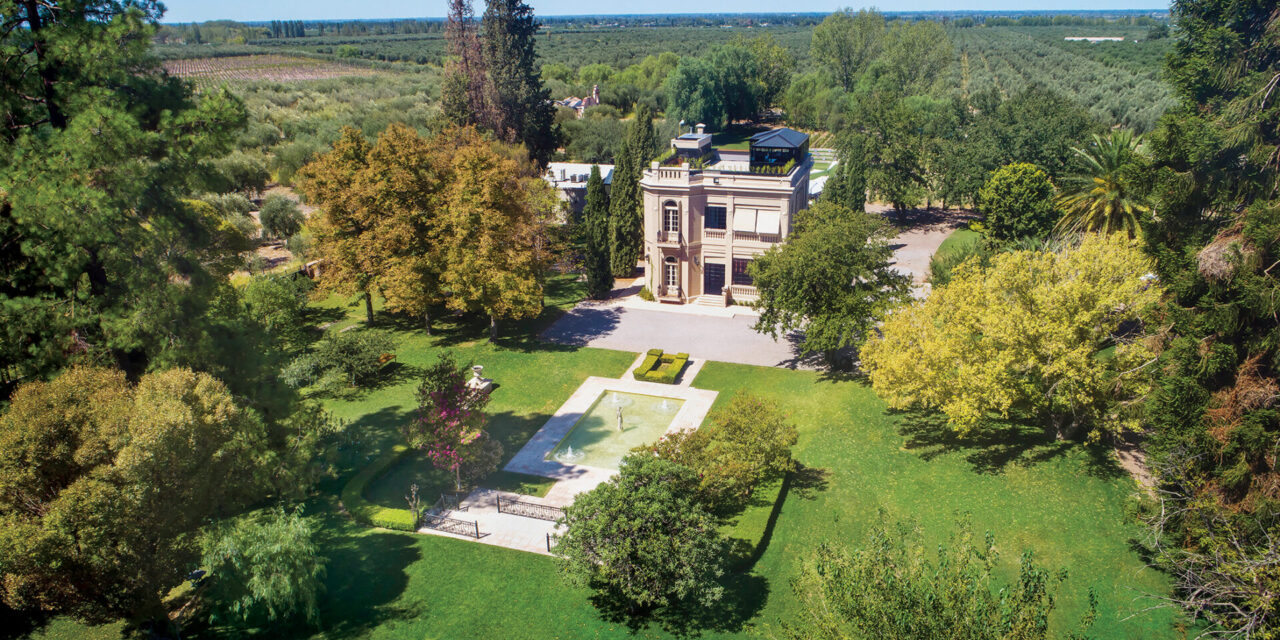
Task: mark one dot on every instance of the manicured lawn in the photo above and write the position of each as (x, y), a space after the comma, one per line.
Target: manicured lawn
(1062, 500)
(959, 237)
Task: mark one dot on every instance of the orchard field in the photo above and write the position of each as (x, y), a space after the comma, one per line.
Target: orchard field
(1118, 82)
(206, 72)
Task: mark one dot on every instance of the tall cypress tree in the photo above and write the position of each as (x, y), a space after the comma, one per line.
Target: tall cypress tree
(523, 109)
(594, 236)
(626, 218)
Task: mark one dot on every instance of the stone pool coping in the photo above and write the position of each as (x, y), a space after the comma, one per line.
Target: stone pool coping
(531, 458)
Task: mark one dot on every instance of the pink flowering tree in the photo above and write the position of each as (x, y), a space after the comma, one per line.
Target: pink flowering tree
(450, 423)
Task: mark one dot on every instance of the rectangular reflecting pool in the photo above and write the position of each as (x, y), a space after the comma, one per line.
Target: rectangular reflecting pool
(596, 440)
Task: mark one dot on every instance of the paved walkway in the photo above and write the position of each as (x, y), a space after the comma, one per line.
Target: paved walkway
(922, 233)
(499, 529)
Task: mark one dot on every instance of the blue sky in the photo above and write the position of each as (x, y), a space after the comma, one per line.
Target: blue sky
(197, 10)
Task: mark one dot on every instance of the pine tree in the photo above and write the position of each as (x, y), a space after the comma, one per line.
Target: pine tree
(594, 236)
(522, 106)
(626, 219)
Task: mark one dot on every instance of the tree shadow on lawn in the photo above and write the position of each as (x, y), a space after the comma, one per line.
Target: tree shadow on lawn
(744, 596)
(807, 482)
(365, 576)
(992, 449)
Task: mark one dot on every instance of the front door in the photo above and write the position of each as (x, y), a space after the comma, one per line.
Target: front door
(713, 279)
(673, 278)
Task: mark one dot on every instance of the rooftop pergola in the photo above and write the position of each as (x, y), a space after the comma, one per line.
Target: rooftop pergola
(778, 146)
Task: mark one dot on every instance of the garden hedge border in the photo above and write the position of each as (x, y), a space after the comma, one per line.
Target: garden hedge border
(367, 512)
(649, 371)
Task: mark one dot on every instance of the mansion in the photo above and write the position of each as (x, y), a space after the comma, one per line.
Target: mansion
(708, 212)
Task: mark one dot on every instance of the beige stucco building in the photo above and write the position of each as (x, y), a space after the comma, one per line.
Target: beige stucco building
(708, 212)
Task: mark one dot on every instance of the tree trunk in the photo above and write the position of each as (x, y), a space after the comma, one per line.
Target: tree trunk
(368, 308)
(493, 327)
(457, 478)
(48, 73)
(426, 321)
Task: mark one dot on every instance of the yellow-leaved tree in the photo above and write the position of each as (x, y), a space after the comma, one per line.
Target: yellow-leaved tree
(493, 240)
(453, 219)
(1049, 335)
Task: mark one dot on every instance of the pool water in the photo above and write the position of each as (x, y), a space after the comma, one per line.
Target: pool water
(595, 440)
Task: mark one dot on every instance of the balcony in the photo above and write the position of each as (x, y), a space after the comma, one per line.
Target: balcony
(714, 234)
(669, 239)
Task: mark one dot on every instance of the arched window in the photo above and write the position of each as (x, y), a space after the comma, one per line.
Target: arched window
(670, 216)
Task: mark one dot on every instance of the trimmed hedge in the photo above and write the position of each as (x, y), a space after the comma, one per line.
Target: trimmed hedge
(660, 367)
(367, 512)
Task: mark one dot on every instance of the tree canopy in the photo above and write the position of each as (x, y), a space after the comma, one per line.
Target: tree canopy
(1017, 202)
(107, 483)
(99, 148)
(831, 279)
(642, 538)
(1024, 338)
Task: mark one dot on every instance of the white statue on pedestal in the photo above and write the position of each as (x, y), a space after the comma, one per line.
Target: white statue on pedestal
(478, 382)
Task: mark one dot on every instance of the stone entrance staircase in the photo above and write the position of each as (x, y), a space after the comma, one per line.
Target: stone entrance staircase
(711, 301)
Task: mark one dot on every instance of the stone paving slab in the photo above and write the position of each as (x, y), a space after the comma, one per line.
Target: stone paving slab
(499, 529)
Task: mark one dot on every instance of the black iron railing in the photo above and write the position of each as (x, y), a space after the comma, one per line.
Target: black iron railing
(517, 507)
(451, 525)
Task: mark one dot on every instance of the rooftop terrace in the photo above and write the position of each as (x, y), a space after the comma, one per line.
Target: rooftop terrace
(772, 152)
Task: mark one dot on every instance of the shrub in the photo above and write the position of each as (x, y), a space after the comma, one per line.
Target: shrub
(646, 294)
(364, 511)
(650, 361)
(302, 371)
(358, 353)
(280, 217)
(1017, 202)
(657, 367)
(339, 360)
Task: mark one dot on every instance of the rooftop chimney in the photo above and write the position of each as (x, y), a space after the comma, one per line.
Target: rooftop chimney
(701, 127)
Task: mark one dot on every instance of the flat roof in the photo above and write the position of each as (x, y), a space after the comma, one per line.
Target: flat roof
(575, 168)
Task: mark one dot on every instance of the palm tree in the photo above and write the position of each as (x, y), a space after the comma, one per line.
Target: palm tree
(1100, 198)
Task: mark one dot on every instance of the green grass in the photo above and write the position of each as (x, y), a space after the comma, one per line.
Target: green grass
(532, 380)
(735, 137)
(959, 237)
(1064, 501)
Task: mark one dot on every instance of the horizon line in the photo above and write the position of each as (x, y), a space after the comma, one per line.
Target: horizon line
(710, 13)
